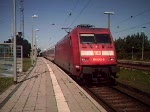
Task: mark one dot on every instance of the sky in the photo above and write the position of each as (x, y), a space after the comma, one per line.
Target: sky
(53, 15)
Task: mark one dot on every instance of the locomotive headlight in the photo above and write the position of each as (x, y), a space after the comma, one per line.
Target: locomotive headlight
(77, 66)
(111, 59)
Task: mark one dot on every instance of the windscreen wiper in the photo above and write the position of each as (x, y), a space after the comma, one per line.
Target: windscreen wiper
(89, 44)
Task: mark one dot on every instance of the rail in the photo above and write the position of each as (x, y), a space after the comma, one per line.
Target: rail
(140, 65)
(118, 100)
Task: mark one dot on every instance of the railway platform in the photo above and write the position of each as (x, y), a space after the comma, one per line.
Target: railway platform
(46, 88)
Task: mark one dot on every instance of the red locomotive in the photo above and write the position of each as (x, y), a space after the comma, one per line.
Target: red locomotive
(87, 53)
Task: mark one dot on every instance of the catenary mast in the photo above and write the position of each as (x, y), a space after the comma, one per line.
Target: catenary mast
(22, 17)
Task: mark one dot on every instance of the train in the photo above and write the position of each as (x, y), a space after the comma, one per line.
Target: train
(87, 53)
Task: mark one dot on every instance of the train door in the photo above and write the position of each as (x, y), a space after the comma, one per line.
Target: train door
(70, 55)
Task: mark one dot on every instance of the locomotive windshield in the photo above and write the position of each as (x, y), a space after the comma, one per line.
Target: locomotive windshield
(102, 38)
(87, 38)
(95, 38)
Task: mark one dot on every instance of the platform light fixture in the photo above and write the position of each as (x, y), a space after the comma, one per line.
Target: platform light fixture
(109, 13)
(36, 43)
(142, 57)
(14, 41)
(32, 55)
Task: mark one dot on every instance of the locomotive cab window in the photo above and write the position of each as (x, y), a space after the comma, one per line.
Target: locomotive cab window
(102, 38)
(87, 38)
(95, 38)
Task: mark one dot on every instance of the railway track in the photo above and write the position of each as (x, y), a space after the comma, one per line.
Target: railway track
(135, 65)
(118, 100)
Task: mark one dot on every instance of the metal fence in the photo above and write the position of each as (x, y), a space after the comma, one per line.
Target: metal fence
(19, 59)
(7, 59)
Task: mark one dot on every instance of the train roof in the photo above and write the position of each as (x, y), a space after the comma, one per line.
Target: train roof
(86, 28)
(89, 28)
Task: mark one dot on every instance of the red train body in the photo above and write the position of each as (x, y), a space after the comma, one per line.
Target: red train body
(87, 52)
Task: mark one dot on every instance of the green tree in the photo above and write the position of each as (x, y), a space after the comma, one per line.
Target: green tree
(132, 43)
(21, 41)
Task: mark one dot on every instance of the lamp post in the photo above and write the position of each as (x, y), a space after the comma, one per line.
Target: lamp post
(14, 42)
(109, 13)
(36, 43)
(34, 16)
(142, 45)
(132, 52)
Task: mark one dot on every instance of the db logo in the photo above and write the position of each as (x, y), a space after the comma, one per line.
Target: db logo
(97, 52)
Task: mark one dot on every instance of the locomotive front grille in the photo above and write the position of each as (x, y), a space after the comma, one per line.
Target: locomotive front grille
(106, 69)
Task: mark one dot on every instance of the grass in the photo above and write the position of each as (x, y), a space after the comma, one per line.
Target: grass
(5, 82)
(135, 78)
(26, 64)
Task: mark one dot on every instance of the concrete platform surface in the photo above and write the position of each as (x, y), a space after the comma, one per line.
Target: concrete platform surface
(47, 88)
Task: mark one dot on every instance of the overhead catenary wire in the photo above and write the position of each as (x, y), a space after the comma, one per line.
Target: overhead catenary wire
(136, 15)
(86, 5)
(132, 16)
(146, 23)
(67, 18)
(71, 12)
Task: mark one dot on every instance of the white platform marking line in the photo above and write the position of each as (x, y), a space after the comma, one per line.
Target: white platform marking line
(100, 108)
(60, 99)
